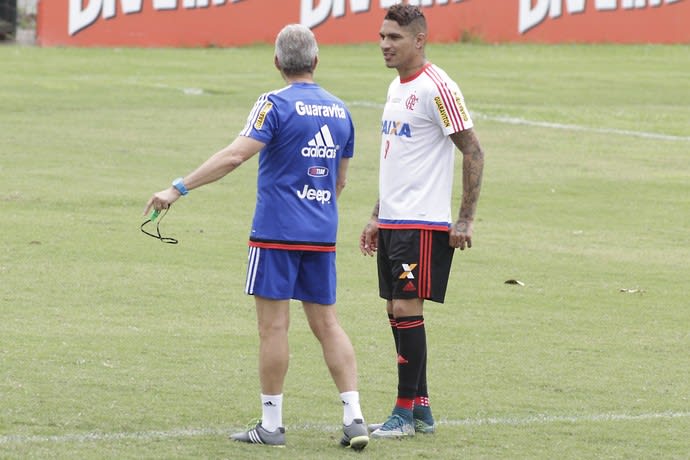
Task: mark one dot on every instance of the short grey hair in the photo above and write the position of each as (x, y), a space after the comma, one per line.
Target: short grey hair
(296, 49)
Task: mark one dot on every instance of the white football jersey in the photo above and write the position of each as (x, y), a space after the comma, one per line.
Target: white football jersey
(417, 156)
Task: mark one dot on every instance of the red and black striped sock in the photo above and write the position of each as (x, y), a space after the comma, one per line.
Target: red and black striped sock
(394, 330)
(411, 354)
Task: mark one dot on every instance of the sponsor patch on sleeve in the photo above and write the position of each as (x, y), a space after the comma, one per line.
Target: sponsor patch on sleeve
(442, 111)
(461, 106)
(262, 115)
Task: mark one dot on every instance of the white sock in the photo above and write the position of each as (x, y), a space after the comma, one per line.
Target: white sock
(351, 407)
(271, 411)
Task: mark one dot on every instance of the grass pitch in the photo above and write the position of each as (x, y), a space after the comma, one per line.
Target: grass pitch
(113, 345)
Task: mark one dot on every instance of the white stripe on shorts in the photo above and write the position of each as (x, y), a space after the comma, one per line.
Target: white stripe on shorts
(252, 266)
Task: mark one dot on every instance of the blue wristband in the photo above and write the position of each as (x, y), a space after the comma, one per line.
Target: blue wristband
(179, 185)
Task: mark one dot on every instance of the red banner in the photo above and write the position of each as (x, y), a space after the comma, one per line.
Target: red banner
(242, 22)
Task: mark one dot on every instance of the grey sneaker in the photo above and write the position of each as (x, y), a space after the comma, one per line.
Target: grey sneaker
(395, 427)
(258, 435)
(374, 426)
(355, 435)
(420, 426)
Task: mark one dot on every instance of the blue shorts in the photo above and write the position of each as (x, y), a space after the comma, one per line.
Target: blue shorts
(281, 274)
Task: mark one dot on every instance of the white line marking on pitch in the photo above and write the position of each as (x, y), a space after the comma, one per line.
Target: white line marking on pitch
(546, 124)
(546, 419)
(192, 432)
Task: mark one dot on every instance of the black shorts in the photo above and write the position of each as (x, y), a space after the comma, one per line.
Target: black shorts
(414, 264)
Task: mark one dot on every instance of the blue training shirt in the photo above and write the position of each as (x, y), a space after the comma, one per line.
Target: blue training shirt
(307, 131)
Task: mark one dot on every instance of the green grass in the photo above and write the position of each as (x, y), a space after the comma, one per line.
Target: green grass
(113, 345)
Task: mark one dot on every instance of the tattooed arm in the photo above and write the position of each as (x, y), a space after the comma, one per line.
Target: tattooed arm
(472, 169)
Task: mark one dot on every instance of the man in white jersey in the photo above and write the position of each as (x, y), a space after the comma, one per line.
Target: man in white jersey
(305, 137)
(411, 228)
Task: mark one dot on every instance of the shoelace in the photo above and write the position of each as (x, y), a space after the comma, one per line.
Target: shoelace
(394, 421)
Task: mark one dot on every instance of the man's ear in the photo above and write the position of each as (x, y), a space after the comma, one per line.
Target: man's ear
(316, 61)
(420, 40)
(276, 62)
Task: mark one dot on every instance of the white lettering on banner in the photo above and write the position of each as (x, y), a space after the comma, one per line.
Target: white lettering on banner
(322, 196)
(311, 15)
(315, 12)
(82, 17)
(531, 16)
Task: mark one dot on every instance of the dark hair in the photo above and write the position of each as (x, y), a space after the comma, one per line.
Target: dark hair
(406, 15)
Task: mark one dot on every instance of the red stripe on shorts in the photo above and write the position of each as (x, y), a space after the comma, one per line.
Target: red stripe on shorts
(425, 240)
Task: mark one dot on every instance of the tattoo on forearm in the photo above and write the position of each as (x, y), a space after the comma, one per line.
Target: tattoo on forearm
(472, 172)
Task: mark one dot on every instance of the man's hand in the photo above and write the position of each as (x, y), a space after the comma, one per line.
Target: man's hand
(162, 200)
(368, 240)
(461, 234)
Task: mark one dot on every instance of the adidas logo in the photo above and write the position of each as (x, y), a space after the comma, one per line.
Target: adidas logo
(409, 287)
(321, 146)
